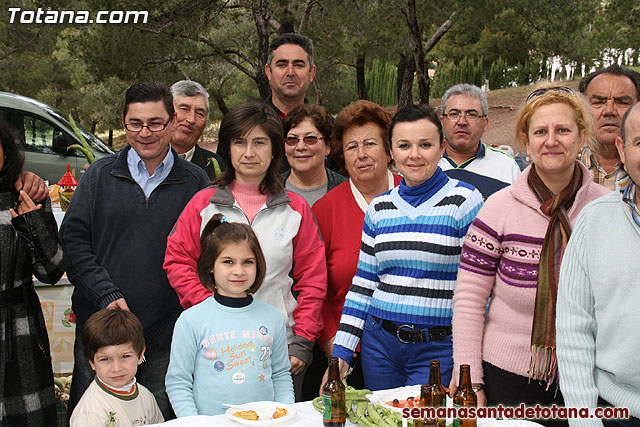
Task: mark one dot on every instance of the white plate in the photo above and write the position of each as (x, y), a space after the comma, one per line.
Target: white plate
(265, 412)
(400, 393)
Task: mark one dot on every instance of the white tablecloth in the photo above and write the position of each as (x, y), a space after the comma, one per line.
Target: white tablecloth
(307, 416)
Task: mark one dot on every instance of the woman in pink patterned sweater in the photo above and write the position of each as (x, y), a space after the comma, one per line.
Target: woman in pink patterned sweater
(512, 253)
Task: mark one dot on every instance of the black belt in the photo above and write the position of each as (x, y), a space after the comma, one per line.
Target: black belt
(408, 334)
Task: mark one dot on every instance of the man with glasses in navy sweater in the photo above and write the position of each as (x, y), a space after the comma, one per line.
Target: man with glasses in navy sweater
(115, 235)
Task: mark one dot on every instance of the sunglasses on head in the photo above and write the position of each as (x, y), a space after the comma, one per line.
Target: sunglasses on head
(544, 90)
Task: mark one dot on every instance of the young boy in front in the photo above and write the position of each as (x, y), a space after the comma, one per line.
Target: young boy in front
(114, 345)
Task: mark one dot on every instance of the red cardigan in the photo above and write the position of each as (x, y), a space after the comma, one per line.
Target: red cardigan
(340, 222)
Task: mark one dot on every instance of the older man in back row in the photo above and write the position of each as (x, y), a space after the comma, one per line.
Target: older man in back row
(597, 318)
(611, 92)
(464, 119)
(191, 103)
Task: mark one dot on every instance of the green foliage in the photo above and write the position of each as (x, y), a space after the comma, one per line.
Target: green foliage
(85, 69)
(448, 74)
(498, 74)
(501, 75)
(380, 79)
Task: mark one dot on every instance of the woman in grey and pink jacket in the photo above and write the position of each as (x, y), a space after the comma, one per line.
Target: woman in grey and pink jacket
(250, 191)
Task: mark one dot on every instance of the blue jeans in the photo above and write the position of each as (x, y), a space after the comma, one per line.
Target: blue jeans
(388, 363)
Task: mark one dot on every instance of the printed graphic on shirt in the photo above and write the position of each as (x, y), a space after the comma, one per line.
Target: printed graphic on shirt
(235, 351)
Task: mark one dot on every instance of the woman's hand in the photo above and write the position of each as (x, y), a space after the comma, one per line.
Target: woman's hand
(27, 205)
(453, 387)
(33, 185)
(480, 394)
(343, 366)
(328, 347)
(297, 365)
(482, 398)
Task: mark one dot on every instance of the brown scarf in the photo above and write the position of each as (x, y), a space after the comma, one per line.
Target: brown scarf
(544, 365)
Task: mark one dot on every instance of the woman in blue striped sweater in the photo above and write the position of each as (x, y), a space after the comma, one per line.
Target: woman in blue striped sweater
(399, 306)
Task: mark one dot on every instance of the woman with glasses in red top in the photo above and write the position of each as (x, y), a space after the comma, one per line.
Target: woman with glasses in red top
(307, 129)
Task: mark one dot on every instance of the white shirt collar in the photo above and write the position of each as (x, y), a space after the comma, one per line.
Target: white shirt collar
(360, 198)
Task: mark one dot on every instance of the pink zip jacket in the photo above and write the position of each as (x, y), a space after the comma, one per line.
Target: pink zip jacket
(290, 241)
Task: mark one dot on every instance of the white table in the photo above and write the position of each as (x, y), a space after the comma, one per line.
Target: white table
(307, 416)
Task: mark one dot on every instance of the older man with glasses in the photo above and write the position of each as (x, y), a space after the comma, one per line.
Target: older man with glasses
(466, 158)
(115, 234)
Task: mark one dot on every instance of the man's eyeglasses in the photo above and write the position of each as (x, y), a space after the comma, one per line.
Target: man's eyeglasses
(153, 127)
(309, 139)
(553, 89)
(471, 116)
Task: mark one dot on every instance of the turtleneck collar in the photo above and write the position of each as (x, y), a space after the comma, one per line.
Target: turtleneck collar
(417, 195)
(233, 302)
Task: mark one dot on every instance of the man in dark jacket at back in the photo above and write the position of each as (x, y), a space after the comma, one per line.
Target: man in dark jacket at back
(191, 102)
(115, 233)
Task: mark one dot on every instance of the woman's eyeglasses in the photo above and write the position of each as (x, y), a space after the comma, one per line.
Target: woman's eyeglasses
(547, 89)
(309, 139)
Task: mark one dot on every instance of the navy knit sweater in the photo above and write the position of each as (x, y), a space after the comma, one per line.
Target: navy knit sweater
(116, 238)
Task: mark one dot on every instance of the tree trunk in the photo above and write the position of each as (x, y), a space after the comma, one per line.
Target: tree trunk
(261, 18)
(360, 78)
(94, 123)
(415, 35)
(110, 140)
(222, 105)
(406, 70)
(263, 84)
(316, 86)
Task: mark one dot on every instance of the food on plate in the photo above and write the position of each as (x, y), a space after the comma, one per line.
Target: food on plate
(409, 402)
(247, 415)
(280, 412)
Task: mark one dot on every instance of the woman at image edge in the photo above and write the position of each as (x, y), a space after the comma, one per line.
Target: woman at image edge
(400, 302)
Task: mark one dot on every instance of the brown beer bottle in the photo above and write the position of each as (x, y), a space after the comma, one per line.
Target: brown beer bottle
(425, 402)
(465, 397)
(333, 395)
(438, 393)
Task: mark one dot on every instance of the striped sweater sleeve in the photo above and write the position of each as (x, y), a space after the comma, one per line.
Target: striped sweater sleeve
(358, 300)
(576, 328)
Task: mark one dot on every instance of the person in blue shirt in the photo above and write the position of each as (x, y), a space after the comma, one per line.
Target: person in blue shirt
(399, 305)
(230, 348)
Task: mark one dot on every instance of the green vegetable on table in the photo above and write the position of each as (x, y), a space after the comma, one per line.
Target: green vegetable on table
(366, 413)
